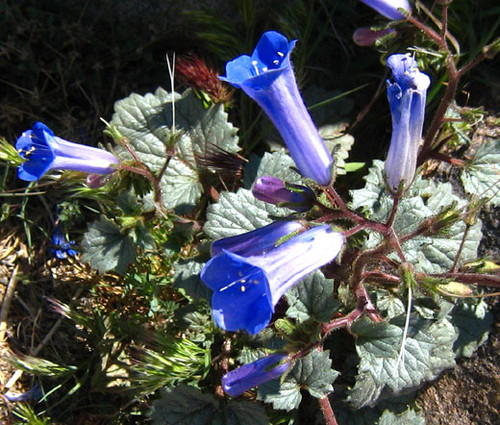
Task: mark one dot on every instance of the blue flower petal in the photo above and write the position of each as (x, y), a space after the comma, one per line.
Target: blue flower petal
(241, 298)
(246, 289)
(60, 246)
(272, 51)
(35, 146)
(389, 8)
(252, 374)
(238, 70)
(258, 241)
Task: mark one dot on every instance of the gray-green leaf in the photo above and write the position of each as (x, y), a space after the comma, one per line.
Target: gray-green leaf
(237, 213)
(409, 417)
(277, 164)
(427, 352)
(185, 405)
(313, 372)
(106, 248)
(312, 297)
(430, 254)
(481, 176)
(473, 322)
(187, 278)
(147, 122)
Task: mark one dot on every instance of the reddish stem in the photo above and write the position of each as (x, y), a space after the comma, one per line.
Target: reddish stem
(429, 32)
(327, 410)
(471, 64)
(445, 158)
(391, 218)
(385, 279)
(468, 278)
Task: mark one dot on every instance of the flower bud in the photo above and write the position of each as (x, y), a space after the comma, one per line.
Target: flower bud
(407, 92)
(367, 36)
(274, 191)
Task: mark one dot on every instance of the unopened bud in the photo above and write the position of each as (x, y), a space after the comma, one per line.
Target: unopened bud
(275, 191)
(367, 36)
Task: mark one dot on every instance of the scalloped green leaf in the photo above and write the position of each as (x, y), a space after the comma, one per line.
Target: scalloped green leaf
(187, 278)
(473, 321)
(373, 199)
(389, 303)
(239, 212)
(313, 373)
(428, 350)
(181, 186)
(397, 407)
(147, 122)
(277, 164)
(481, 176)
(313, 298)
(185, 405)
(105, 247)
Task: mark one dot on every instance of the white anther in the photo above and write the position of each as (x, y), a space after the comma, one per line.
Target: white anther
(254, 63)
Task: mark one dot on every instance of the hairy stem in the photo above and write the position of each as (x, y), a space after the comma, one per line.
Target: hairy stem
(326, 409)
(469, 278)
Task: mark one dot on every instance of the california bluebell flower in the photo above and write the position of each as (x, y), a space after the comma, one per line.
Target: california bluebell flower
(258, 241)
(407, 92)
(247, 288)
(267, 77)
(275, 191)
(43, 151)
(61, 247)
(252, 374)
(389, 8)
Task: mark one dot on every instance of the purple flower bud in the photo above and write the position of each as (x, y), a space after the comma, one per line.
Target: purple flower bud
(407, 92)
(275, 191)
(367, 36)
(252, 374)
(267, 77)
(258, 241)
(389, 8)
(246, 289)
(43, 152)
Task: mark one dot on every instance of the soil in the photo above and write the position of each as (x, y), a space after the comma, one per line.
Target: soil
(469, 394)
